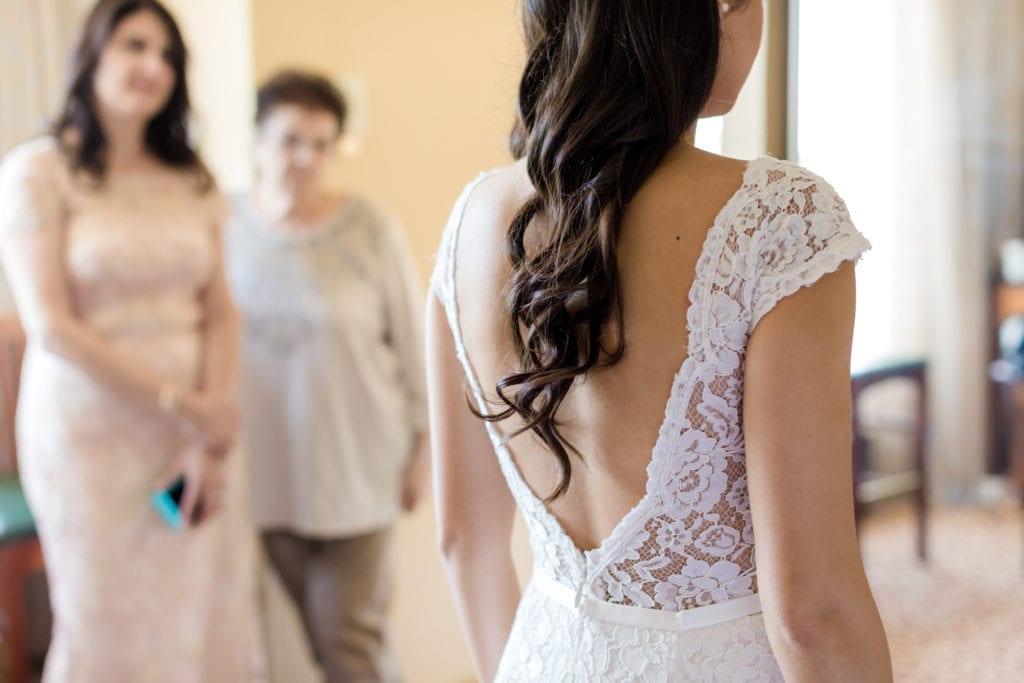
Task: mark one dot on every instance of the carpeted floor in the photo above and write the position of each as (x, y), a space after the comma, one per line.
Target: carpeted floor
(960, 617)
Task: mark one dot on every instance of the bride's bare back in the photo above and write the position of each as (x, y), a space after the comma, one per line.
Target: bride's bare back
(728, 416)
(614, 415)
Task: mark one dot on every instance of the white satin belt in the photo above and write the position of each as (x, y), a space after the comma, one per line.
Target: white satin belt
(697, 617)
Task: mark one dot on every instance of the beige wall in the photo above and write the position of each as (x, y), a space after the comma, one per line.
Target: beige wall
(434, 84)
(219, 37)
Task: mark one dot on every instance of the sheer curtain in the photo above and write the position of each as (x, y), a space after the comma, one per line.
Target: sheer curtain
(913, 109)
(35, 41)
(959, 180)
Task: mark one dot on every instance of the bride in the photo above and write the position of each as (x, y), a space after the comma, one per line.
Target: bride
(657, 340)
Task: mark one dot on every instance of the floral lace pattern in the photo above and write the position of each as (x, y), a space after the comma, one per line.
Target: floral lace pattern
(690, 541)
(550, 643)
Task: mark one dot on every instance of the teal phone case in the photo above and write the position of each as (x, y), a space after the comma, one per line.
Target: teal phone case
(168, 509)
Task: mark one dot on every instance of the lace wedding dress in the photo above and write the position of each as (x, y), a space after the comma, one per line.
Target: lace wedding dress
(671, 595)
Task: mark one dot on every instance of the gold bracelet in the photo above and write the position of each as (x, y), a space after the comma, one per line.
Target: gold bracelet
(169, 398)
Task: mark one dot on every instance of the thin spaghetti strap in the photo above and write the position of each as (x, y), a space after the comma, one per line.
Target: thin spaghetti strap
(442, 282)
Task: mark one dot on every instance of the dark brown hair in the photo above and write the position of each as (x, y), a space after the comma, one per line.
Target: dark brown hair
(78, 129)
(609, 87)
(302, 88)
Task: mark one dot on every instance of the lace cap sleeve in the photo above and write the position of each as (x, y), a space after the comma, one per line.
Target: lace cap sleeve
(807, 233)
(30, 197)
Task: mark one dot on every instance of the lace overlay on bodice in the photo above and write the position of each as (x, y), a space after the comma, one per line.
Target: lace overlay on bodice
(689, 542)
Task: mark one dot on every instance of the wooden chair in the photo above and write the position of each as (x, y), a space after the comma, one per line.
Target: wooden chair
(1007, 407)
(20, 553)
(1008, 395)
(871, 486)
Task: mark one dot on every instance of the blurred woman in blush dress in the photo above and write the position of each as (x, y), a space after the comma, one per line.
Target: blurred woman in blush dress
(109, 228)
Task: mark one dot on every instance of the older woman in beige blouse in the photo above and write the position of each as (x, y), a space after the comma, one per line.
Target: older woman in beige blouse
(332, 377)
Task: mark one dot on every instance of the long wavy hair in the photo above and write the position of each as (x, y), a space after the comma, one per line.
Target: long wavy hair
(610, 86)
(78, 129)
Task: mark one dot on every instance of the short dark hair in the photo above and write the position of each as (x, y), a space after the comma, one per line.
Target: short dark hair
(303, 88)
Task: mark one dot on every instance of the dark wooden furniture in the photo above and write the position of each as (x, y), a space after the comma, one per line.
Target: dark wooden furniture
(1008, 391)
(20, 553)
(870, 485)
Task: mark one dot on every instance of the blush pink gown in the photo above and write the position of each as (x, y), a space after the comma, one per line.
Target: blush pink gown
(132, 599)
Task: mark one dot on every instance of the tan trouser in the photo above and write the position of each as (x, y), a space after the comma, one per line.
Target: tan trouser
(342, 588)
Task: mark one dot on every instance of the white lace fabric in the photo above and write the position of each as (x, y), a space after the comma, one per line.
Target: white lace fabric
(689, 542)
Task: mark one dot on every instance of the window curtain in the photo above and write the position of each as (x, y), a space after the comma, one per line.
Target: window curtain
(35, 43)
(958, 188)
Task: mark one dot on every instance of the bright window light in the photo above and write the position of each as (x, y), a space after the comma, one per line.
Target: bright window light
(845, 133)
